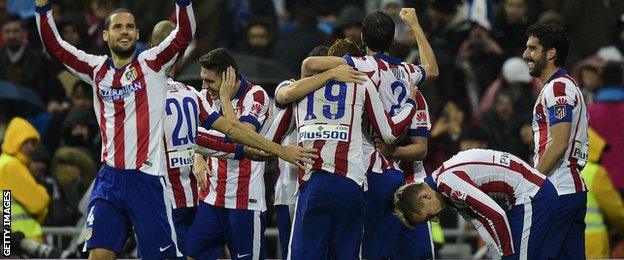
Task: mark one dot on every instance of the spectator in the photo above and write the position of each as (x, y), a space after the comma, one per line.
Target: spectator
(445, 135)
(74, 170)
(519, 85)
(503, 125)
(261, 36)
(603, 201)
(605, 117)
(349, 24)
(483, 55)
(589, 81)
(79, 130)
(40, 168)
(23, 65)
(95, 23)
(30, 200)
(510, 24)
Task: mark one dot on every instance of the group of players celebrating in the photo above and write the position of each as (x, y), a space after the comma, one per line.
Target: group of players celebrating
(184, 169)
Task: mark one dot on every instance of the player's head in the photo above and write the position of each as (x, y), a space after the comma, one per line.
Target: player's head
(213, 64)
(320, 50)
(417, 203)
(378, 31)
(13, 32)
(473, 137)
(345, 47)
(547, 44)
(161, 30)
(121, 33)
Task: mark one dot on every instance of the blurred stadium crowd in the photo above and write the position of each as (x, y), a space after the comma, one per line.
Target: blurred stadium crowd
(482, 98)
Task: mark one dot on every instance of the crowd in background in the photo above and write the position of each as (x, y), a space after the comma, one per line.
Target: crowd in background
(483, 97)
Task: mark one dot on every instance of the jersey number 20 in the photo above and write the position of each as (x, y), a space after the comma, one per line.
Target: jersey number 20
(183, 113)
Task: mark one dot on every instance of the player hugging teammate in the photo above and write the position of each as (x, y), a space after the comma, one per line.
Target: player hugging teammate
(185, 168)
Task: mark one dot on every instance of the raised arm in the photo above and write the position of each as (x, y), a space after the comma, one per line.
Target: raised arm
(77, 61)
(427, 57)
(163, 55)
(389, 128)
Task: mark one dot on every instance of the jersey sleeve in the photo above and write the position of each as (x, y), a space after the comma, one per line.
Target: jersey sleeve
(283, 123)
(416, 73)
(210, 144)
(421, 123)
(389, 128)
(164, 54)
(459, 188)
(255, 107)
(560, 101)
(279, 87)
(207, 114)
(77, 61)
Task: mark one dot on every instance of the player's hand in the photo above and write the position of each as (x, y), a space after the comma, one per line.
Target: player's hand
(386, 150)
(345, 73)
(408, 15)
(228, 84)
(298, 155)
(200, 170)
(255, 154)
(41, 2)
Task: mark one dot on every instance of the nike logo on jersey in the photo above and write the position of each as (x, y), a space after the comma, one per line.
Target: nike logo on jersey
(162, 249)
(241, 256)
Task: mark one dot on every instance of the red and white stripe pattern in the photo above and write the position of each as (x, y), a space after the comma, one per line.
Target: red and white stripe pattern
(129, 101)
(393, 80)
(561, 100)
(239, 183)
(185, 109)
(420, 127)
(333, 126)
(282, 130)
(472, 179)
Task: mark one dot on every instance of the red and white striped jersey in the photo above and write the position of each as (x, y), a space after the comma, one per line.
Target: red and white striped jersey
(185, 109)
(330, 121)
(239, 183)
(129, 101)
(562, 101)
(281, 130)
(482, 184)
(420, 127)
(393, 80)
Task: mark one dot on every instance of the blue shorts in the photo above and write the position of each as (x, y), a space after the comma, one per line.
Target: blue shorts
(381, 226)
(182, 220)
(530, 224)
(416, 243)
(214, 227)
(284, 224)
(124, 198)
(567, 234)
(329, 218)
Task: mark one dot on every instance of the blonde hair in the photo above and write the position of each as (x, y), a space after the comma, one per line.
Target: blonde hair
(406, 203)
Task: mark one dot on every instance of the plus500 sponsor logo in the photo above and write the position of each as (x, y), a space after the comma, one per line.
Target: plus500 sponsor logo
(324, 132)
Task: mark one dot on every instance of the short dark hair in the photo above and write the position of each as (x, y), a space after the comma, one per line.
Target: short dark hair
(344, 47)
(218, 60)
(552, 36)
(612, 74)
(320, 50)
(13, 18)
(378, 31)
(116, 11)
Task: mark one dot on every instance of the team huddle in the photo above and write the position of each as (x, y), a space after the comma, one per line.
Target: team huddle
(183, 169)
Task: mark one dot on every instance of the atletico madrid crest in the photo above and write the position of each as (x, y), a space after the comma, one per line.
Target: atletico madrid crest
(560, 112)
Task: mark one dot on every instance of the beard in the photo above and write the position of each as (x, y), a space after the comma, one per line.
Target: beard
(123, 53)
(538, 67)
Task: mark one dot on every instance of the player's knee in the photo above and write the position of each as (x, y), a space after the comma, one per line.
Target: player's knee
(101, 254)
